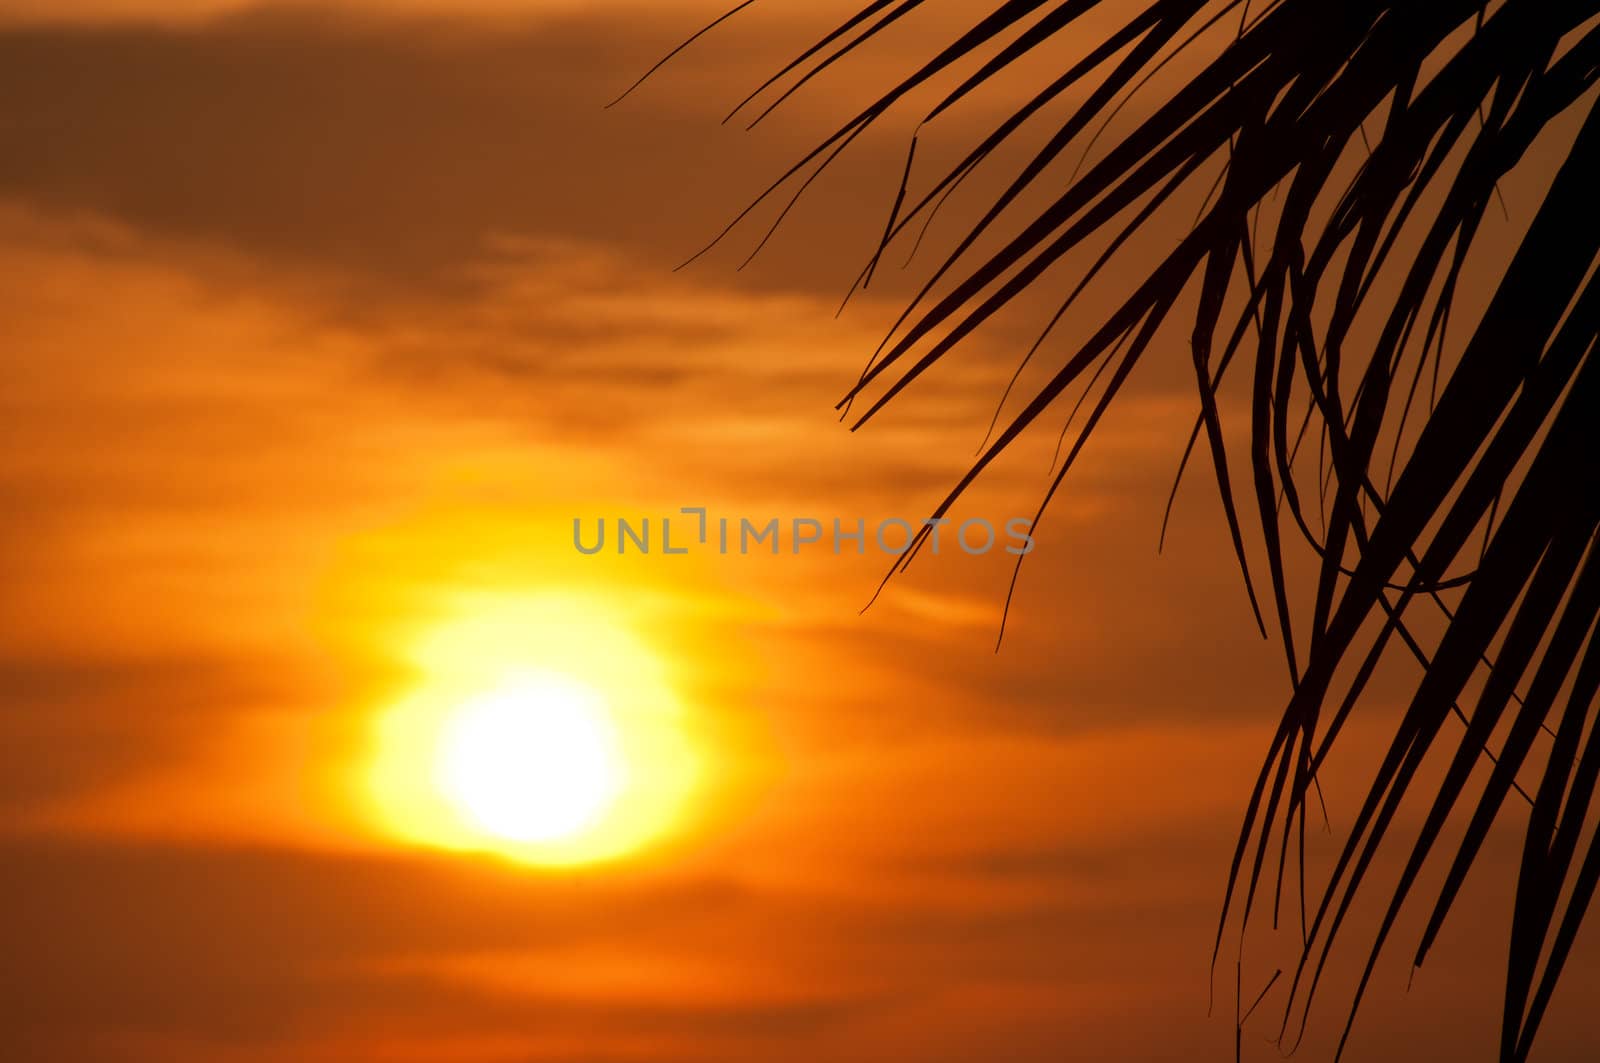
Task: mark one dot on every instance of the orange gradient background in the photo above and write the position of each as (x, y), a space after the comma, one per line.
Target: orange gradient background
(318, 328)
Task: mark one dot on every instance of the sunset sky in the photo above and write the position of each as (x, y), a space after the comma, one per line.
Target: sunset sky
(320, 326)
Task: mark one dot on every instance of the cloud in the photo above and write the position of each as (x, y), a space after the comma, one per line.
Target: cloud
(285, 948)
(398, 148)
(194, 436)
(144, 952)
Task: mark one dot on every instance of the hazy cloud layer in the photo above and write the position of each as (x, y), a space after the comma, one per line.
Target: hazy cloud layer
(315, 323)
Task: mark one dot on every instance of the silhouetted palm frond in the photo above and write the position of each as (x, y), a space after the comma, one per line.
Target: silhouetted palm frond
(1348, 155)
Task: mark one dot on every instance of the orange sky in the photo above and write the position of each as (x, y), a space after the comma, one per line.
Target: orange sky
(318, 330)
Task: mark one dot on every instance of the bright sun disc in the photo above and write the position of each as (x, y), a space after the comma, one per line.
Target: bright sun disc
(539, 728)
(535, 761)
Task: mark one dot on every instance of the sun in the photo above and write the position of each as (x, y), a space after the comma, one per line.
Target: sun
(539, 728)
(533, 761)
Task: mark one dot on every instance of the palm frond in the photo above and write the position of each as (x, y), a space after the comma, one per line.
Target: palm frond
(1352, 153)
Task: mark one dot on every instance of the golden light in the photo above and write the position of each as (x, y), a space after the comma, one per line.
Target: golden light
(540, 729)
(534, 761)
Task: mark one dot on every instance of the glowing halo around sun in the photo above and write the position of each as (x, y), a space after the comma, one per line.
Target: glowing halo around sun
(539, 730)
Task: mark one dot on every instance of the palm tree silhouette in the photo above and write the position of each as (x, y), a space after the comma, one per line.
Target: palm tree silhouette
(1345, 156)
